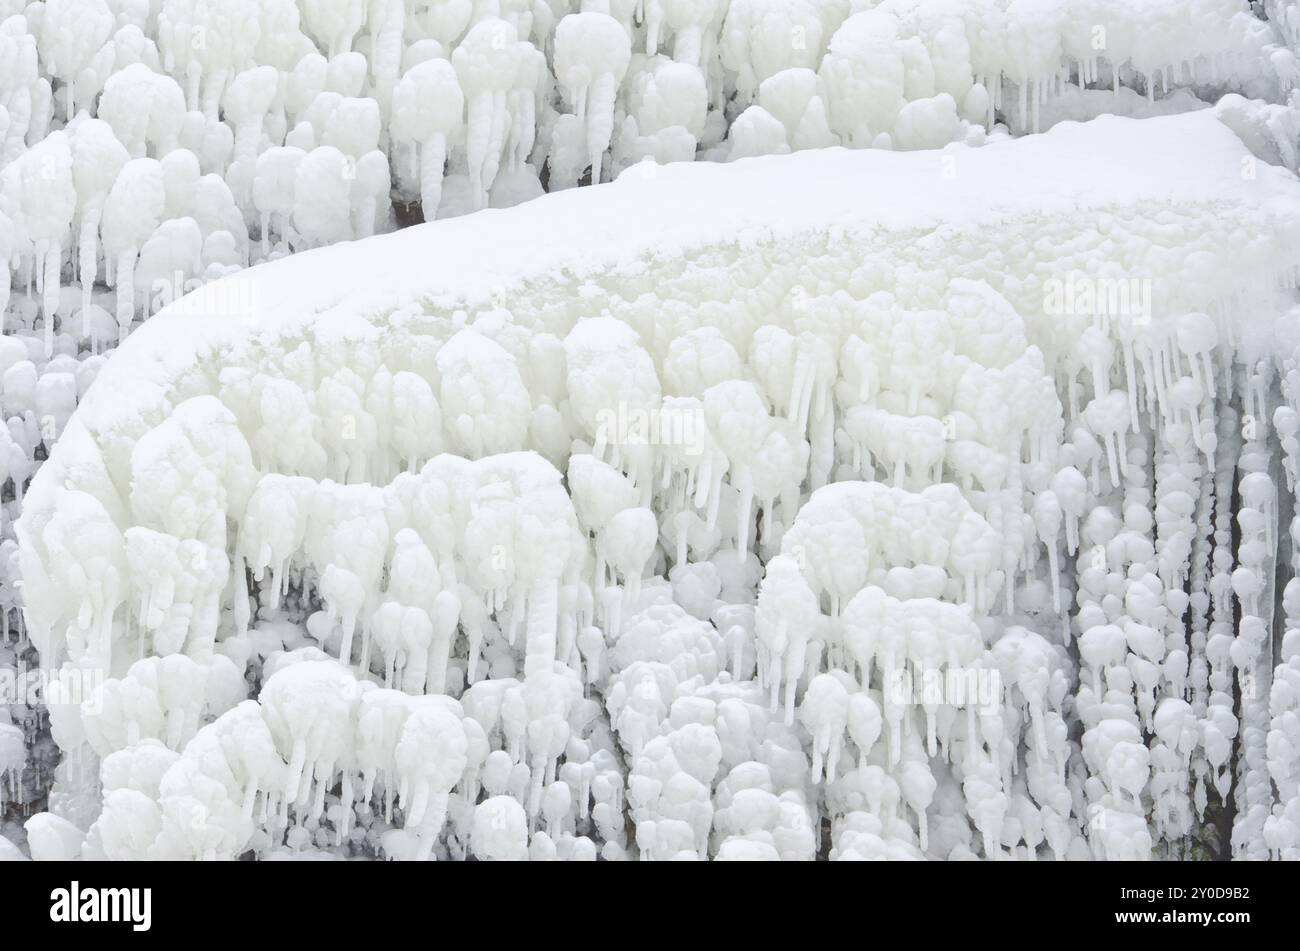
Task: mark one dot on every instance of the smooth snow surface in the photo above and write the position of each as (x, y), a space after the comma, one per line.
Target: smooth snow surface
(844, 504)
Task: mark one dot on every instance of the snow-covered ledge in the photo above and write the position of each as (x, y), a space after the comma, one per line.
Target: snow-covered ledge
(534, 464)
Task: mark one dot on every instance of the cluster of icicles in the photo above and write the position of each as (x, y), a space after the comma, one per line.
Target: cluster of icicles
(1272, 733)
(38, 394)
(324, 759)
(502, 550)
(155, 148)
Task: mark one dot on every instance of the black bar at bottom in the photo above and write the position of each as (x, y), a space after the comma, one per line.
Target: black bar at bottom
(381, 901)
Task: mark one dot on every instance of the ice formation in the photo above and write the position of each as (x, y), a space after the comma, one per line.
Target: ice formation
(847, 523)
